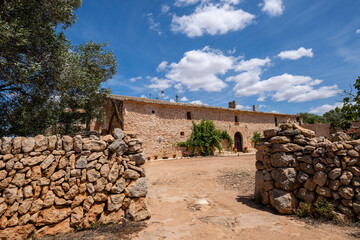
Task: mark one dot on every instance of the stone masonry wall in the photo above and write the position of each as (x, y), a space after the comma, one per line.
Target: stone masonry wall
(169, 122)
(52, 184)
(294, 167)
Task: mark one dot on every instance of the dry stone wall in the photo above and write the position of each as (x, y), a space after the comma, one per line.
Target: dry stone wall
(52, 184)
(294, 167)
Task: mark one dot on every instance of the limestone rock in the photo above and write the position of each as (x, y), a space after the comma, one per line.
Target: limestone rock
(284, 202)
(28, 145)
(50, 230)
(92, 175)
(119, 147)
(131, 174)
(320, 178)
(88, 202)
(137, 188)
(270, 133)
(19, 232)
(111, 217)
(335, 173)
(78, 143)
(52, 215)
(19, 179)
(93, 213)
(281, 159)
(6, 144)
(115, 202)
(40, 143)
(138, 158)
(323, 191)
(17, 144)
(289, 147)
(104, 171)
(118, 133)
(81, 162)
(304, 131)
(138, 210)
(346, 192)
(279, 139)
(114, 172)
(346, 177)
(52, 142)
(68, 143)
(25, 206)
(120, 185)
(305, 195)
(285, 178)
(95, 146)
(77, 217)
(10, 195)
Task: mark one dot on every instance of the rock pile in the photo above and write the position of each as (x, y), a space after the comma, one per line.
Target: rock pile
(294, 167)
(52, 184)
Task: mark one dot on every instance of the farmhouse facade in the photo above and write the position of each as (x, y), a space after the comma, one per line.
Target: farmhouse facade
(162, 124)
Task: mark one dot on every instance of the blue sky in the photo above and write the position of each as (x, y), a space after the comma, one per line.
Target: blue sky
(285, 56)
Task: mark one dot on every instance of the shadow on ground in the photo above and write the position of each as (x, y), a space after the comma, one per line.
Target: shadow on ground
(250, 202)
(125, 230)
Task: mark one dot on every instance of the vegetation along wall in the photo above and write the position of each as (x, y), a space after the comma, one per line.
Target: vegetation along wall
(52, 184)
(294, 168)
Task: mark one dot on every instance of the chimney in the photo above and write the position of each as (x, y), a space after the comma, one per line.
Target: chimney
(254, 108)
(232, 104)
(177, 98)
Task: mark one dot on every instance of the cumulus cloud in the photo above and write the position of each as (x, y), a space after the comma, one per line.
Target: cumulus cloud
(153, 25)
(134, 79)
(181, 3)
(199, 69)
(243, 107)
(358, 31)
(184, 99)
(296, 54)
(273, 7)
(162, 66)
(143, 96)
(171, 100)
(197, 102)
(160, 84)
(165, 8)
(320, 110)
(212, 19)
(289, 88)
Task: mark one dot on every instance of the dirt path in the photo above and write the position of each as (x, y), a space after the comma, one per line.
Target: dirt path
(210, 198)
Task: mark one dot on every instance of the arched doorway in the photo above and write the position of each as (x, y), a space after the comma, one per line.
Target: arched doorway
(238, 142)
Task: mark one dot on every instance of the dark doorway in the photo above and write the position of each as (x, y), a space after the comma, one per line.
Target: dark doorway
(238, 142)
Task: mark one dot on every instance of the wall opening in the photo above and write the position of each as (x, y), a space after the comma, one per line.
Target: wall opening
(276, 122)
(153, 112)
(182, 133)
(236, 119)
(238, 141)
(188, 116)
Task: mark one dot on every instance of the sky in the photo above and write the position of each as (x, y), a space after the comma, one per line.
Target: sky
(286, 56)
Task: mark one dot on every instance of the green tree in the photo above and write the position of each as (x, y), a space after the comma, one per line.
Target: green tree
(350, 111)
(333, 117)
(256, 138)
(205, 138)
(312, 118)
(44, 81)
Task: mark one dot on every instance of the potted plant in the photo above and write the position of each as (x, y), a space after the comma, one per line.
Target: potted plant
(245, 149)
(185, 154)
(174, 155)
(235, 149)
(155, 157)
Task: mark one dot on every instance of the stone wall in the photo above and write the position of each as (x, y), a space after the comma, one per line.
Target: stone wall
(52, 184)
(160, 119)
(320, 129)
(295, 168)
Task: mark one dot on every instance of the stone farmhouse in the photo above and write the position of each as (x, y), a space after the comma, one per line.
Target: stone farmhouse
(162, 124)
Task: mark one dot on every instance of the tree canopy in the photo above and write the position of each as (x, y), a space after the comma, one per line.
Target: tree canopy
(46, 84)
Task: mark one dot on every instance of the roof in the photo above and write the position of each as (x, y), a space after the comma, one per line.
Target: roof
(167, 103)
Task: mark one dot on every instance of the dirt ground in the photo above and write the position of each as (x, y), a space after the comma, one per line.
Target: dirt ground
(211, 198)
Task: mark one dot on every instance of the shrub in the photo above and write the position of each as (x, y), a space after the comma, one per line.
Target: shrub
(205, 138)
(319, 209)
(256, 138)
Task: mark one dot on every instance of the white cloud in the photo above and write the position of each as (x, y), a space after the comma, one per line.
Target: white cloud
(199, 69)
(165, 8)
(212, 19)
(181, 3)
(243, 107)
(320, 110)
(262, 106)
(162, 66)
(184, 99)
(273, 7)
(287, 87)
(171, 100)
(254, 64)
(358, 31)
(143, 96)
(134, 79)
(273, 111)
(155, 26)
(296, 54)
(197, 102)
(161, 84)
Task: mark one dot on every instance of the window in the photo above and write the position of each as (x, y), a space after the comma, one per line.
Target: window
(153, 112)
(276, 123)
(236, 119)
(182, 133)
(188, 115)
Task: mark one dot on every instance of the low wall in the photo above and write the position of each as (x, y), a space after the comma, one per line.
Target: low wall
(320, 129)
(53, 184)
(295, 168)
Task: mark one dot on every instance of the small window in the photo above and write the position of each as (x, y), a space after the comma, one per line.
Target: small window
(276, 123)
(153, 112)
(182, 133)
(236, 119)
(188, 115)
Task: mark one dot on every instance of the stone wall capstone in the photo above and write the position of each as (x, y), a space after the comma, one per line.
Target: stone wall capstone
(294, 167)
(53, 184)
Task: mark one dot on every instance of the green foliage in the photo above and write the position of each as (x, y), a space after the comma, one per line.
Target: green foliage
(333, 117)
(350, 111)
(205, 138)
(44, 80)
(256, 138)
(312, 118)
(320, 209)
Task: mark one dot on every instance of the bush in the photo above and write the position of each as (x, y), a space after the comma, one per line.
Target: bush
(205, 138)
(319, 209)
(256, 138)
